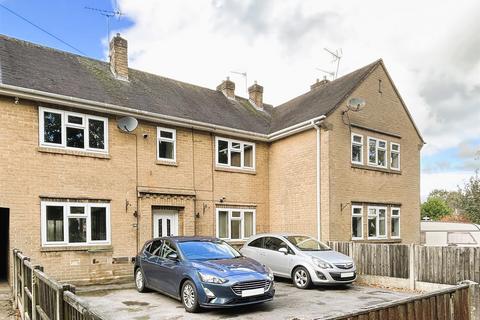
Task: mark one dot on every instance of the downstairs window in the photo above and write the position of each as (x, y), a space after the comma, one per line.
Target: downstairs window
(75, 223)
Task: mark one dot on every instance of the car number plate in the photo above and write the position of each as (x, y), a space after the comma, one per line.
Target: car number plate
(347, 274)
(252, 292)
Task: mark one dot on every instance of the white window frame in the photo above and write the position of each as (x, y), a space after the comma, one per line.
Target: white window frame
(396, 152)
(66, 215)
(241, 151)
(396, 216)
(360, 144)
(65, 124)
(173, 140)
(377, 222)
(360, 215)
(230, 218)
(377, 148)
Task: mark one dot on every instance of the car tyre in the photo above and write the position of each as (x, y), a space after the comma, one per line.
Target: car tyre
(190, 297)
(301, 278)
(140, 281)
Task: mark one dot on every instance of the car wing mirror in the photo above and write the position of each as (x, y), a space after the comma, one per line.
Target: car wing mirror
(172, 256)
(283, 250)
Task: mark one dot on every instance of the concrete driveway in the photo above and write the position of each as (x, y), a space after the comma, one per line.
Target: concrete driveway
(289, 303)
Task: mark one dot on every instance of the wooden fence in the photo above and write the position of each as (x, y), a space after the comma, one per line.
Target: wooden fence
(445, 265)
(37, 296)
(452, 303)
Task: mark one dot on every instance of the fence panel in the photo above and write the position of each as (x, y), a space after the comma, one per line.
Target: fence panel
(389, 260)
(448, 265)
(37, 296)
(452, 303)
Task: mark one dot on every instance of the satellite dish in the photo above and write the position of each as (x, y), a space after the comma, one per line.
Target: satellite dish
(127, 124)
(356, 104)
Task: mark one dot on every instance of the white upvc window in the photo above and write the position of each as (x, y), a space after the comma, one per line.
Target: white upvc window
(395, 222)
(377, 222)
(377, 152)
(75, 223)
(394, 156)
(72, 130)
(357, 222)
(166, 144)
(234, 153)
(235, 224)
(357, 148)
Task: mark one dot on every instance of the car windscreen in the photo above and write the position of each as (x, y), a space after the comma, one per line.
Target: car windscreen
(305, 243)
(207, 250)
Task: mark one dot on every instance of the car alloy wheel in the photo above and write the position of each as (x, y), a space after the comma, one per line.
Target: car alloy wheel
(301, 278)
(140, 281)
(189, 297)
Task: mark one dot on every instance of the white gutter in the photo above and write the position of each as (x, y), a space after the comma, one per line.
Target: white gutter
(319, 234)
(53, 98)
(47, 97)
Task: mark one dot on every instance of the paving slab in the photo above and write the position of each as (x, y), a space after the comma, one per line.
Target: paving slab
(289, 303)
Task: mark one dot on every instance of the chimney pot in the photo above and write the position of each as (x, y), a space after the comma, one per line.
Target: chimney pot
(227, 87)
(119, 57)
(255, 93)
(319, 84)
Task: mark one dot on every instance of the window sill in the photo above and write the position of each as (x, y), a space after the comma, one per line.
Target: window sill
(86, 248)
(371, 168)
(385, 240)
(247, 171)
(166, 163)
(73, 152)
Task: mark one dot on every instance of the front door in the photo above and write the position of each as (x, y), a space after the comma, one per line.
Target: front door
(165, 222)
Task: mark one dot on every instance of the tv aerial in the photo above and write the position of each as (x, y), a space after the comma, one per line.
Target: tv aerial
(330, 73)
(127, 124)
(107, 14)
(244, 75)
(337, 56)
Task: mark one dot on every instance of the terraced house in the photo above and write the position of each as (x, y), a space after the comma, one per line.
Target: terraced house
(80, 194)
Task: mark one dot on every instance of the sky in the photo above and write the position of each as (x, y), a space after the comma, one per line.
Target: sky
(431, 49)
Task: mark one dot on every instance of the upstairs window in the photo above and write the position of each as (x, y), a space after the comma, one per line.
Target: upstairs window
(69, 130)
(394, 156)
(75, 223)
(235, 154)
(357, 148)
(395, 223)
(166, 143)
(377, 152)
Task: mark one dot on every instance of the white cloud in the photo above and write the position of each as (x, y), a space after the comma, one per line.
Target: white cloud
(446, 180)
(430, 48)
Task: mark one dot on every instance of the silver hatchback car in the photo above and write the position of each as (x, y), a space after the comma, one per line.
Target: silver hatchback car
(301, 258)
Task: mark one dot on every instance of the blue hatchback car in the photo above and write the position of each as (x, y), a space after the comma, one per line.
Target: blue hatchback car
(202, 272)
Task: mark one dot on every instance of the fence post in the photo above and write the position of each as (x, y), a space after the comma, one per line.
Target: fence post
(473, 299)
(59, 301)
(14, 284)
(35, 290)
(24, 280)
(411, 266)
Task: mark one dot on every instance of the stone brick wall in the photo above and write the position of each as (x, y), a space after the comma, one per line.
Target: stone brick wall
(193, 184)
(384, 112)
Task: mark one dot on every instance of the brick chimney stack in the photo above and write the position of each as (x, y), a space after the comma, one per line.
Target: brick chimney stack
(119, 57)
(255, 93)
(227, 87)
(319, 84)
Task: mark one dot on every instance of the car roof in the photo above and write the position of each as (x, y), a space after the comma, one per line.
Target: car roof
(187, 238)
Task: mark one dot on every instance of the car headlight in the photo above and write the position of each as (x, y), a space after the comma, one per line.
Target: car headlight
(270, 273)
(322, 264)
(210, 278)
